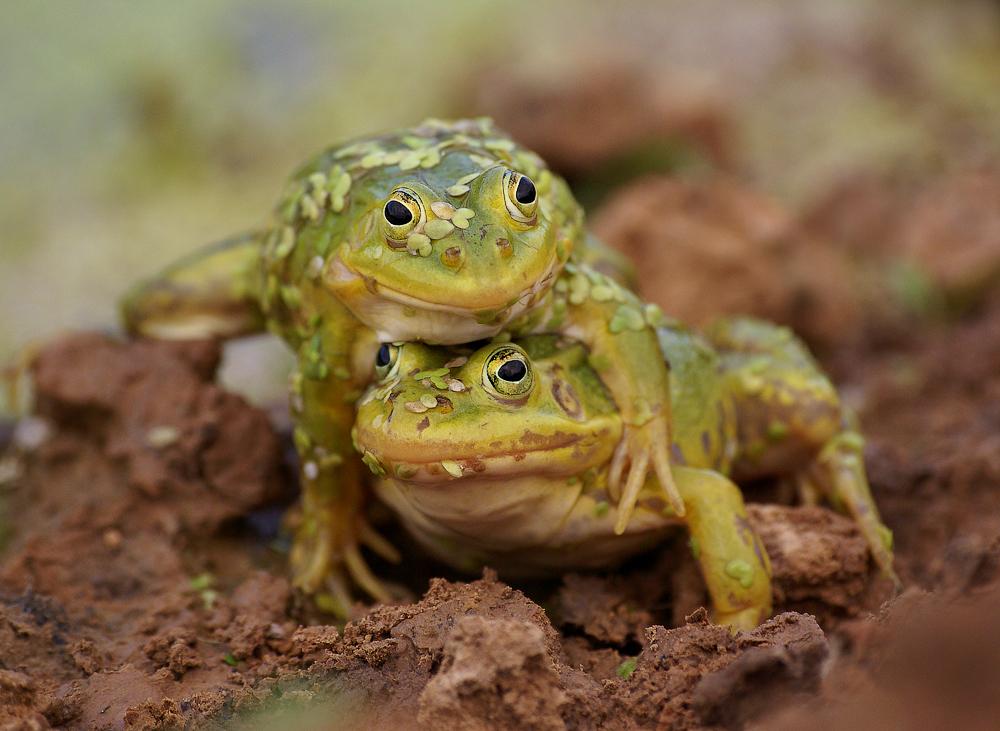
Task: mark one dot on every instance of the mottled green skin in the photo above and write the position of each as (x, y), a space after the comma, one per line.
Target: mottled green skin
(333, 278)
(522, 484)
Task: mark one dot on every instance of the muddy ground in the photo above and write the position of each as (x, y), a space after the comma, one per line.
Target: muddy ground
(143, 580)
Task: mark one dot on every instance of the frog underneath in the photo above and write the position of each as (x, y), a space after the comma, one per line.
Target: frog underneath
(501, 455)
(447, 232)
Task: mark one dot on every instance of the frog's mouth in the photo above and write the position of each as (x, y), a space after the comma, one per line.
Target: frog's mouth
(563, 455)
(340, 274)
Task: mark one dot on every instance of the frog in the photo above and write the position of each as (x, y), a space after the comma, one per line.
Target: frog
(445, 233)
(500, 455)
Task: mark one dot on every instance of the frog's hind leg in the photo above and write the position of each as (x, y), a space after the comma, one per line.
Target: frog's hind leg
(790, 422)
(213, 293)
(838, 473)
(733, 561)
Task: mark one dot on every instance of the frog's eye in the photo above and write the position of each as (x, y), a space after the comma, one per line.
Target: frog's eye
(507, 373)
(520, 196)
(401, 214)
(386, 359)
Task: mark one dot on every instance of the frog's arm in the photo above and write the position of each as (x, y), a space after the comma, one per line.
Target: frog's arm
(732, 557)
(211, 294)
(620, 333)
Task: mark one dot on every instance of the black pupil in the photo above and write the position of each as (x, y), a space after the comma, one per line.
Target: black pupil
(382, 359)
(525, 192)
(397, 214)
(512, 371)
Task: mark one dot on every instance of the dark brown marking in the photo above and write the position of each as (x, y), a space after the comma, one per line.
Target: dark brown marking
(567, 399)
(424, 423)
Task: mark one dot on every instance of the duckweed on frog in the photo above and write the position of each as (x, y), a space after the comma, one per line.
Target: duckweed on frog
(501, 455)
(444, 233)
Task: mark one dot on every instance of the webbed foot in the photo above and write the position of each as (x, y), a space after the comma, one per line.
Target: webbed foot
(326, 557)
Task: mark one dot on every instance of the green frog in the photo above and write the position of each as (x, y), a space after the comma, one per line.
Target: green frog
(502, 454)
(444, 233)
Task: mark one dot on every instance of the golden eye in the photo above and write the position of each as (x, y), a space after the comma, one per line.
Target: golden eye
(507, 373)
(385, 360)
(520, 196)
(401, 214)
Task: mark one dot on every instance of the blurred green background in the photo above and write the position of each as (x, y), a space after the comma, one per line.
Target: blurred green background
(133, 132)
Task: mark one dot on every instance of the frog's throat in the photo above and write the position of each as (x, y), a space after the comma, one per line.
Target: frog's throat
(392, 313)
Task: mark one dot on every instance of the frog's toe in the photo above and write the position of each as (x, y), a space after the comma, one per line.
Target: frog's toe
(741, 620)
(643, 446)
(378, 543)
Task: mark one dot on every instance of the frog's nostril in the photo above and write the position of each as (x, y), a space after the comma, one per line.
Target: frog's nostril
(452, 257)
(504, 248)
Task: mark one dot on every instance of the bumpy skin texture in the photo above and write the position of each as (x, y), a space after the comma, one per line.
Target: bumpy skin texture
(518, 478)
(443, 233)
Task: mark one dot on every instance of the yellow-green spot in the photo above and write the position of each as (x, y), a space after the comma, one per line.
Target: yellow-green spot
(443, 209)
(291, 297)
(419, 244)
(654, 315)
(451, 467)
(438, 228)
(286, 242)
(601, 509)
(373, 463)
(308, 208)
(505, 145)
(602, 293)
(431, 158)
(301, 439)
(230, 660)
(462, 216)
(741, 571)
(410, 160)
(626, 318)
(405, 471)
(626, 668)
(579, 290)
(338, 186)
(374, 251)
(415, 143)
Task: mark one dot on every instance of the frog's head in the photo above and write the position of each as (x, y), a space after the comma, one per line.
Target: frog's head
(504, 410)
(447, 231)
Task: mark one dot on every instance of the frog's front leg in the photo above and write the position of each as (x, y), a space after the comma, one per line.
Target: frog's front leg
(620, 333)
(326, 549)
(733, 560)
